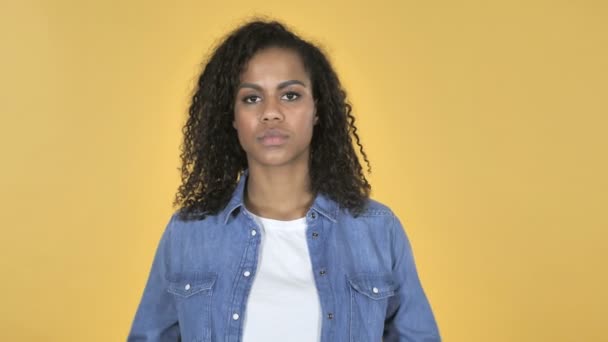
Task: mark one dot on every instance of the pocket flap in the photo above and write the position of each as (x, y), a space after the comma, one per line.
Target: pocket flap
(191, 284)
(373, 286)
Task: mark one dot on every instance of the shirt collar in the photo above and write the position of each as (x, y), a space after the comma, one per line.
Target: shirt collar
(322, 204)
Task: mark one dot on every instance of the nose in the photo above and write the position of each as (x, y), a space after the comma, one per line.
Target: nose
(271, 111)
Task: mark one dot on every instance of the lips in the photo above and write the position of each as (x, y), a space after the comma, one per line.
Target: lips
(273, 137)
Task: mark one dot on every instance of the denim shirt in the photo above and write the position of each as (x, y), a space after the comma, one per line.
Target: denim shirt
(363, 267)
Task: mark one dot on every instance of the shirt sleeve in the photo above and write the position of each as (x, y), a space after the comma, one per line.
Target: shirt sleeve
(409, 315)
(156, 316)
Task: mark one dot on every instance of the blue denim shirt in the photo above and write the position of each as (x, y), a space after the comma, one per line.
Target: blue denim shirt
(363, 267)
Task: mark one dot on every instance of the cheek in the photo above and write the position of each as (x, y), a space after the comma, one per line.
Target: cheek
(308, 129)
(244, 117)
(245, 130)
(239, 123)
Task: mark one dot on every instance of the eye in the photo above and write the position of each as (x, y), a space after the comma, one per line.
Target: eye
(251, 99)
(291, 96)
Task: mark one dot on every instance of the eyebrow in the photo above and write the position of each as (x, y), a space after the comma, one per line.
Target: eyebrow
(280, 86)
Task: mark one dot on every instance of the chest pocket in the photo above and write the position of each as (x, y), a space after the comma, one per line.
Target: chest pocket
(369, 295)
(193, 294)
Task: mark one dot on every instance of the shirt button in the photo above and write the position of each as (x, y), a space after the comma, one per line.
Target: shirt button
(322, 272)
(375, 290)
(313, 215)
(315, 235)
(247, 273)
(187, 287)
(330, 315)
(235, 316)
(253, 232)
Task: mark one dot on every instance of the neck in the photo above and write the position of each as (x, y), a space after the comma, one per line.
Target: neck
(281, 193)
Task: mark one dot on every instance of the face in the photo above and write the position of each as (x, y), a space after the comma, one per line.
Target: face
(274, 112)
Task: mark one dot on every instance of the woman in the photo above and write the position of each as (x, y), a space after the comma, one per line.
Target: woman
(276, 238)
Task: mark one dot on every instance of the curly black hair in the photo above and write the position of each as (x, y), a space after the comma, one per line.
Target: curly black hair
(212, 157)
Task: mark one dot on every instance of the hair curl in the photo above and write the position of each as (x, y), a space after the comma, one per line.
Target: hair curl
(212, 157)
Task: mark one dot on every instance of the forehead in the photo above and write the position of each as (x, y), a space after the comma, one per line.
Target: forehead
(277, 63)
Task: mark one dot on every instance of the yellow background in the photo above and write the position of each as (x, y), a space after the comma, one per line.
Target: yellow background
(485, 121)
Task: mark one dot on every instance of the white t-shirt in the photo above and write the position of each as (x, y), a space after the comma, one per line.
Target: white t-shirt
(283, 304)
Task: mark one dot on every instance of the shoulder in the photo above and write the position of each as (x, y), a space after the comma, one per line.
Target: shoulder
(181, 225)
(375, 215)
(375, 208)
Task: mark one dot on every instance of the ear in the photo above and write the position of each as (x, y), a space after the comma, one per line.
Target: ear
(234, 124)
(314, 114)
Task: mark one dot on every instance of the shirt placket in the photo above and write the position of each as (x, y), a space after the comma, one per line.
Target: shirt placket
(317, 234)
(243, 282)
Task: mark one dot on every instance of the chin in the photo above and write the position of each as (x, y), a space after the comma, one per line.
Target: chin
(275, 161)
(278, 157)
